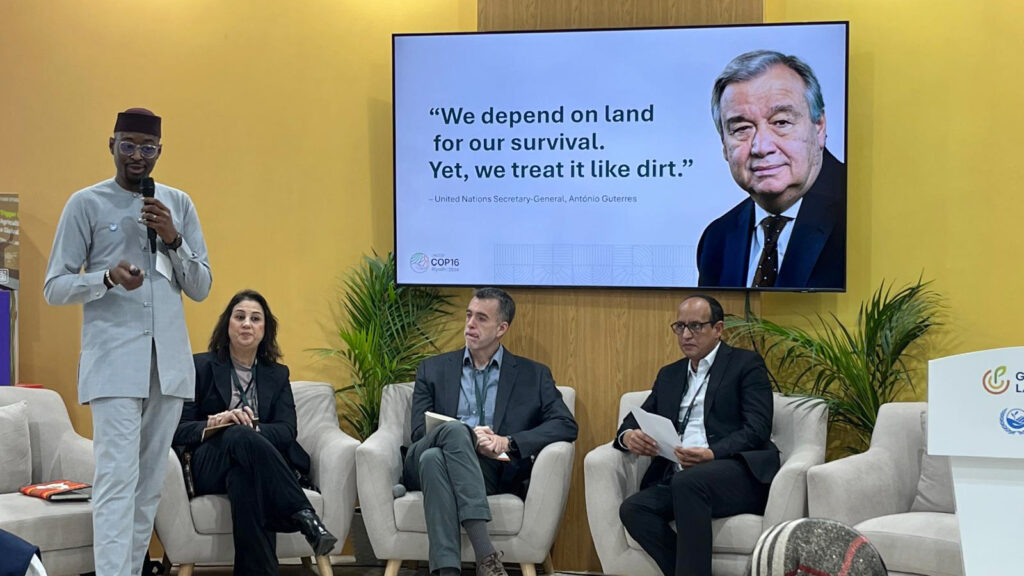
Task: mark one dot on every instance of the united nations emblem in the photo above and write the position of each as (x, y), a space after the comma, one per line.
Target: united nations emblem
(1012, 420)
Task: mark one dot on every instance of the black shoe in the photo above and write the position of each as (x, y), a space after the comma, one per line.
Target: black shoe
(320, 540)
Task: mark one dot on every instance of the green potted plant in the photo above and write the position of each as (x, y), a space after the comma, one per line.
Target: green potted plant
(854, 370)
(385, 331)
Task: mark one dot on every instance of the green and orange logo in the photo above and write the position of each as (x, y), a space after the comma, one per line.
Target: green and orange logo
(993, 381)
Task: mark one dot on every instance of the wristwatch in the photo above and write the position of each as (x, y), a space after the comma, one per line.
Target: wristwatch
(513, 448)
(175, 244)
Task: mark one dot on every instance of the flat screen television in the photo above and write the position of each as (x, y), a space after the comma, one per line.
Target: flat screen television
(708, 157)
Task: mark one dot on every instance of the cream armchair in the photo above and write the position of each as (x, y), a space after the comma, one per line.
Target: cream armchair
(198, 531)
(878, 493)
(524, 531)
(62, 531)
(611, 476)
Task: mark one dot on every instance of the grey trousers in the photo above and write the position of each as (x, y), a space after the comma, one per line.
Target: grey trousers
(131, 444)
(455, 484)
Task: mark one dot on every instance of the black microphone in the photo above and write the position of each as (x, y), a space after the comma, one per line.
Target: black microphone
(148, 190)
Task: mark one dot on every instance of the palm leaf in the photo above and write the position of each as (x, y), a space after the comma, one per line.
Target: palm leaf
(385, 331)
(854, 370)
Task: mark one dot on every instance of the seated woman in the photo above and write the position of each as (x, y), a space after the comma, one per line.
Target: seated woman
(253, 460)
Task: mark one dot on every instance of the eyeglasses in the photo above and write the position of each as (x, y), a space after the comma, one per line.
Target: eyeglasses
(694, 327)
(127, 148)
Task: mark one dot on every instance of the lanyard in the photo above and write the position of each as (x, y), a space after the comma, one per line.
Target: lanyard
(689, 409)
(480, 387)
(243, 393)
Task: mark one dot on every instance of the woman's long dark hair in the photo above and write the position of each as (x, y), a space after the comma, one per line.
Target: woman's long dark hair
(268, 350)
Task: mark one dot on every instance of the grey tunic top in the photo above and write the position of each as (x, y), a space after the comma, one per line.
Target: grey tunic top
(100, 227)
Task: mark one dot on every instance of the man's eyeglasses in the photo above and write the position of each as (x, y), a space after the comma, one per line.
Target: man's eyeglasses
(128, 148)
(694, 327)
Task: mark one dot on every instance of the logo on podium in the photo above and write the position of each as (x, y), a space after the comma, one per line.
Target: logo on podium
(1012, 420)
(993, 382)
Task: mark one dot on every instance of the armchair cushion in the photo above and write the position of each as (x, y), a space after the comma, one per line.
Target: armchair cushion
(917, 542)
(506, 514)
(736, 534)
(935, 488)
(732, 535)
(16, 448)
(53, 526)
(211, 514)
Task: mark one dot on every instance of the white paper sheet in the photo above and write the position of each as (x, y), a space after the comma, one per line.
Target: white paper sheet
(163, 265)
(433, 420)
(661, 429)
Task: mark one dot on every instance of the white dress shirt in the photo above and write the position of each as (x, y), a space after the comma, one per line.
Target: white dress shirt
(694, 435)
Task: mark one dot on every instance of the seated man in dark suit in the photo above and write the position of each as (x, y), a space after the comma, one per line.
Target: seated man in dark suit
(507, 410)
(791, 231)
(721, 403)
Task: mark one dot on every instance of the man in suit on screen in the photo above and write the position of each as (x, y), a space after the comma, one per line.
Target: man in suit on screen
(507, 409)
(791, 231)
(720, 402)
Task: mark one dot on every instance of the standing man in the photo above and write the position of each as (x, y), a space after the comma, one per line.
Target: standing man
(721, 403)
(135, 368)
(508, 409)
(791, 231)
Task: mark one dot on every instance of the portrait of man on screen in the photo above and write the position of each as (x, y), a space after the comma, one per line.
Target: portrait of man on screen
(790, 232)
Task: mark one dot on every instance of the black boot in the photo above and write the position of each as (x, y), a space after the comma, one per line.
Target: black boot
(320, 540)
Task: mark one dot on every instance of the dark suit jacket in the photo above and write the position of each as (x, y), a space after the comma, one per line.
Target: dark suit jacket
(528, 407)
(738, 411)
(16, 553)
(816, 253)
(274, 396)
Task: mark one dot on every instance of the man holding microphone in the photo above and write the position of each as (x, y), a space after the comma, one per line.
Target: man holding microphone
(126, 248)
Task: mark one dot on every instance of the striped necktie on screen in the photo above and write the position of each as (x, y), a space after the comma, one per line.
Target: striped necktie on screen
(768, 266)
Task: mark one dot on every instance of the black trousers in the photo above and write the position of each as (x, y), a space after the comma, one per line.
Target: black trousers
(262, 488)
(691, 497)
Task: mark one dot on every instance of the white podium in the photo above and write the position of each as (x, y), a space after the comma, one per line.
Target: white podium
(976, 416)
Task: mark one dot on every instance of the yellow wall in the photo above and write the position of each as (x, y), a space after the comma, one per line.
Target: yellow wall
(934, 160)
(277, 121)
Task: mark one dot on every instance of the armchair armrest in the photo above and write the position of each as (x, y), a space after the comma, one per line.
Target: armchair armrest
(379, 461)
(609, 479)
(75, 459)
(548, 492)
(857, 488)
(333, 470)
(173, 521)
(787, 499)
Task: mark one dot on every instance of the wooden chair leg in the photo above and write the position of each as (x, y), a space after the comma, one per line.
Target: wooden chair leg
(323, 566)
(549, 568)
(529, 569)
(185, 569)
(392, 568)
